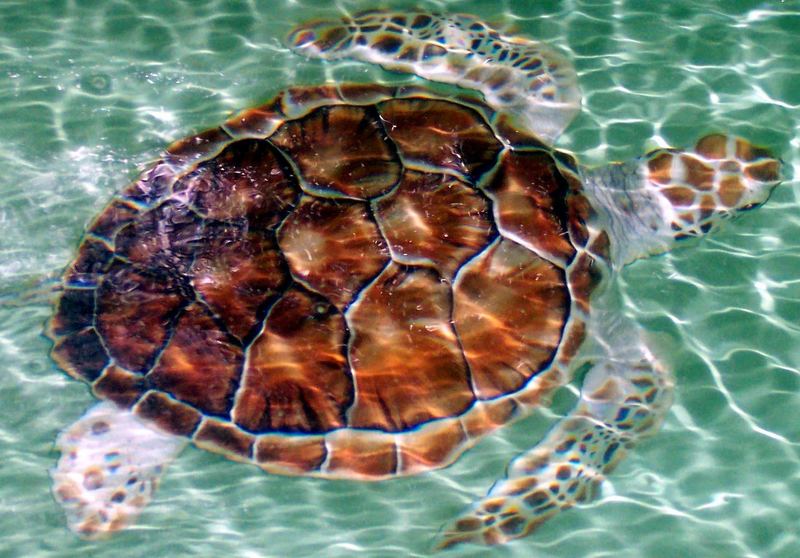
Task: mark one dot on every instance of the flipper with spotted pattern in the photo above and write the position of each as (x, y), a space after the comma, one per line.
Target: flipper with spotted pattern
(523, 79)
(624, 399)
(109, 469)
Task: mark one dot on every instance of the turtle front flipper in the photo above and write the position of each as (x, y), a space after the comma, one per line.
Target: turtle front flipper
(624, 398)
(109, 469)
(671, 194)
(522, 78)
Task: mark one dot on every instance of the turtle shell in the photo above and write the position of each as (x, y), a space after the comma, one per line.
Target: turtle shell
(352, 281)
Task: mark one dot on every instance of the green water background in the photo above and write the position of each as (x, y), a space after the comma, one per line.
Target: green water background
(90, 91)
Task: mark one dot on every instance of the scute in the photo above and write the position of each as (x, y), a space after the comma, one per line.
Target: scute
(236, 272)
(530, 196)
(248, 180)
(75, 311)
(93, 262)
(340, 151)
(434, 220)
(404, 353)
(135, 310)
(510, 309)
(81, 354)
(200, 364)
(349, 281)
(333, 246)
(423, 131)
(120, 386)
(296, 378)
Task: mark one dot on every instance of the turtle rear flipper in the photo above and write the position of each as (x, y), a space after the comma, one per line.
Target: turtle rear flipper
(109, 469)
(526, 80)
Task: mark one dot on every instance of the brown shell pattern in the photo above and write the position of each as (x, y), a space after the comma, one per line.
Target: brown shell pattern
(351, 264)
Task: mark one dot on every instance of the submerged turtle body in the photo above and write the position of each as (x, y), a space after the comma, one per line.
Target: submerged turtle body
(361, 281)
(354, 281)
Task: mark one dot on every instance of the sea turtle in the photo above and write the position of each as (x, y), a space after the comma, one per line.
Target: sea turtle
(361, 281)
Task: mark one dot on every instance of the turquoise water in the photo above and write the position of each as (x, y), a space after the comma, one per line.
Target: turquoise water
(91, 91)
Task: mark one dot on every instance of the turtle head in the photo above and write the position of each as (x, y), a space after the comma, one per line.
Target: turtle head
(700, 188)
(671, 194)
